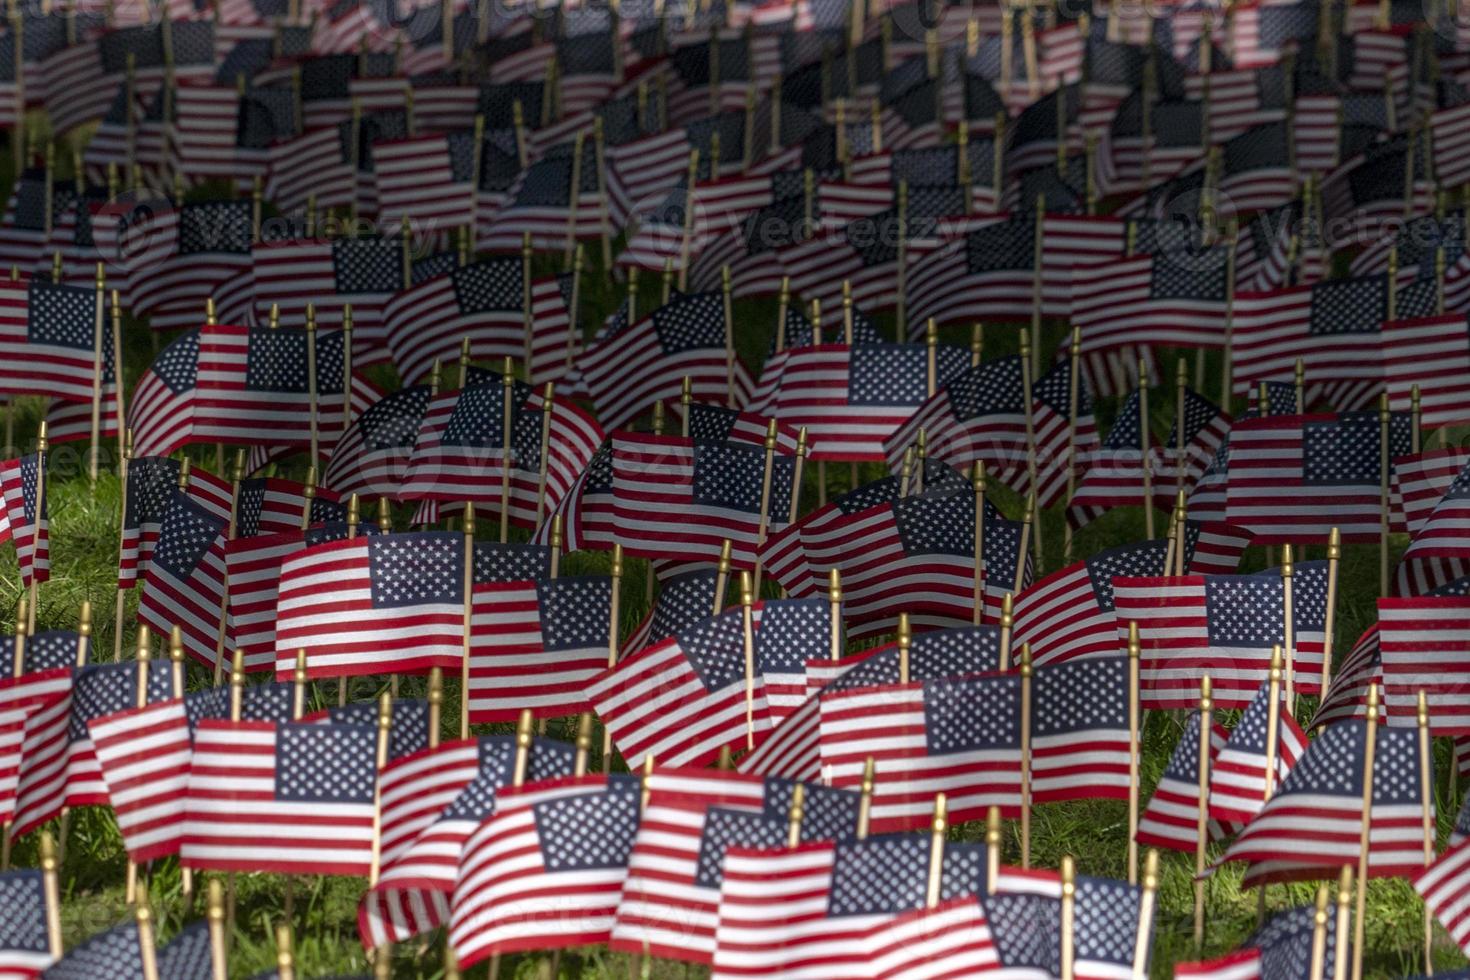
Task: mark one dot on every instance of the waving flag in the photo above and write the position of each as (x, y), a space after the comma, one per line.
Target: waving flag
(184, 584)
(1443, 885)
(27, 519)
(1423, 644)
(1238, 777)
(1437, 555)
(1071, 613)
(212, 254)
(144, 754)
(432, 801)
(1171, 818)
(374, 455)
(563, 890)
(290, 798)
(24, 948)
(48, 336)
(151, 485)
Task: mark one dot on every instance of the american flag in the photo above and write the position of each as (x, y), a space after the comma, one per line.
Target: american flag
(1422, 643)
(212, 254)
(30, 218)
(979, 415)
(536, 644)
(564, 885)
(1171, 819)
(1281, 948)
(184, 584)
(586, 511)
(810, 908)
(48, 339)
(161, 414)
(684, 698)
(1442, 885)
(950, 939)
(1114, 478)
(22, 699)
(1428, 355)
(684, 598)
(1347, 691)
(374, 455)
(272, 505)
(1421, 479)
(1070, 614)
(1331, 462)
(99, 690)
(144, 754)
(24, 948)
(925, 738)
(1436, 555)
(26, 519)
(692, 817)
(716, 488)
(460, 451)
(283, 797)
(1224, 626)
(483, 302)
(46, 650)
(1174, 296)
(371, 605)
(683, 339)
(850, 399)
(41, 788)
(432, 801)
(425, 179)
(1450, 137)
(543, 202)
(151, 485)
(1238, 776)
(364, 272)
(1311, 826)
(791, 629)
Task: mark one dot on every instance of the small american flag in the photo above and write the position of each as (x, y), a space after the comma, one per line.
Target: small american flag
(1420, 480)
(1281, 948)
(1331, 462)
(1311, 826)
(683, 599)
(543, 202)
(27, 522)
(1442, 886)
(1238, 777)
(1070, 614)
(115, 952)
(48, 339)
(161, 414)
(565, 887)
(683, 698)
(951, 939)
(99, 690)
(1224, 626)
(152, 483)
(484, 302)
(1423, 649)
(791, 629)
(1171, 818)
(1347, 692)
(345, 600)
(24, 949)
(1427, 354)
(941, 655)
(184, 583)
(684, 339)
(586, 511)
(715, 488)
(374, 455)
(363, 272)
(144, 754)
(212, 255)
(432, 801)
(460, 451)
(1172, 296)
(536, 644)
(284, 797)
(1436, 554)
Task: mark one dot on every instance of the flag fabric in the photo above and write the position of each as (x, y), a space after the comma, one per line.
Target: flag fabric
(24, 949)
(460, 453)
(850, 399)
(1423, 648)
(49, 334)
(27, 521)
(1171, 818)
(1436, 554)
(161, 414)
(1330, 462)
(432, 801)
(671, 896)
(1347, 691)
(1442, 886)
(791, 629)
(283, 797)
(683, 698)
(792, 749)
(1174, 296)
(212, 251)
(586, 511)
(370, 605)
(1426, 354)
(1311, 826)
(185, 581)
(1071, 614)
(683, 339)
(563, 887)
(1238, 777)
(1420, 481)
(151, 485)
(374, 454)
(116, 952)
(684, 598)
(1224, 626)
(536, 644)
(682, 498)
(485, 302)
(144, 754)
(951, 939)
(364, 272)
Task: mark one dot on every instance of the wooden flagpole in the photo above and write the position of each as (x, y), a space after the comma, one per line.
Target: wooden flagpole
(1181, 385)
(1181, 533)
(508, 384)
(383, 954)
(992, 849)
(1146, 910)
(722, 576)
(1416, 420)
(311, 382)
(1334, 556)
(469, 603)
(834, 613)
(865, 800)
(144, 653)
(795, 814)
(1370, 740)
(1227, 380)
(783, 303)
(1340, 932)
(1299, 386)
(99, 319)
(18, 657)
(119, 394)
(1133, 726)
(1026, 671)
(1074, 357)
(285, 961)
(937, 830)
(40, 508)
(1038, 245)
(1143, 445)
(685, 243)
(547, 394)
(1202, 811)
(748, 626)
(612, 644)
(1028, 519)
(218, 965)
(1027, 373)
(84, 641)
(120, 600)
(1384, 420)
(1171, 535)
(569, 246)
(1069, 913)
(901, 304)
(1288, 639)
(977, 488)
(904, 639)
(237, 474)
(1006, 620)
(51, 888)
(147, 945)
(1319, 933)
(727, 298)
(765, 514)
(1426, 790)
(346, 371)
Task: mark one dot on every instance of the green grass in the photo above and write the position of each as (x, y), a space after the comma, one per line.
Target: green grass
(84, 529)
